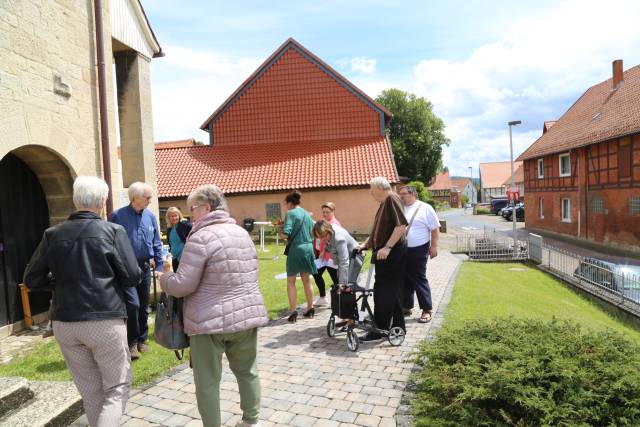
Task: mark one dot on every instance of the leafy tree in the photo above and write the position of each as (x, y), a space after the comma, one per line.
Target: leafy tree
(423, 193)
(465, 199)
(416, 133)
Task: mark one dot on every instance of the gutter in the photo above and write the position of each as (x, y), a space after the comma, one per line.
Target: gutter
(102, 95)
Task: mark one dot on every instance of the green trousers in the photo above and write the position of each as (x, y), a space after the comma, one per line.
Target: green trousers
(206, 356)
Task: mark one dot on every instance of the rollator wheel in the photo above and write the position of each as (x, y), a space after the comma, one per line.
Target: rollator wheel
(396, 336)
(352, 340)
(331, 327)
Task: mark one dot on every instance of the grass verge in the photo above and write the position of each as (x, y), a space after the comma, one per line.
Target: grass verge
(518, 347)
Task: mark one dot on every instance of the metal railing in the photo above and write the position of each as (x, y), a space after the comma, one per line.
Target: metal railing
(491, 246)
(608, 281)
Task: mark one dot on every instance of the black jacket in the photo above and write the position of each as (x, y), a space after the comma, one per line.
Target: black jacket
(183, 228)
(86, 262)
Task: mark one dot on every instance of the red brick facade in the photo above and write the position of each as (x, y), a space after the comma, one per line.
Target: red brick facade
(603, 189)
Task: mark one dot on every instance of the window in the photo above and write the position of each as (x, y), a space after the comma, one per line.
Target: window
(163, 218)
(634, 205)
(541, 207)
(273, 211)
(624, 161)
(540, 168)
(565, 164)
(597, 205)
(566, 210)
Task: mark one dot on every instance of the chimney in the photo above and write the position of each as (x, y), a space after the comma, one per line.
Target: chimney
(617, 73)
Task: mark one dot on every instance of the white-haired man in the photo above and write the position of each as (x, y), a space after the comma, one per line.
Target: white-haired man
(142, 228)
(389, 255)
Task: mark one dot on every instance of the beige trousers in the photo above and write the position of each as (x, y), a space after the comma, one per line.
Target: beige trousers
(97, 355)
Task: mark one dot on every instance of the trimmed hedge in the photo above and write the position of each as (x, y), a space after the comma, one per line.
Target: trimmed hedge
(510, 372)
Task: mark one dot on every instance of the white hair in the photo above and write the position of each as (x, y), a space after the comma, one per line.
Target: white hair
(209, 194)
(89, 192)
(137, 189)
(380, 182)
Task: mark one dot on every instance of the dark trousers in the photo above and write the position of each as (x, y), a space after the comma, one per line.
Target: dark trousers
(387, 289)
(137, 301)
(415, 279)
(333, 272)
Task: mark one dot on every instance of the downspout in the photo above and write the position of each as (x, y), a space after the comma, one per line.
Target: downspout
(102, 95)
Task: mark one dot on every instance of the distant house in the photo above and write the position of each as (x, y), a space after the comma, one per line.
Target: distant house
(519, 181)
(466, 187)
(582, 175)
(440, 190)
(294, 123)
(492, 179)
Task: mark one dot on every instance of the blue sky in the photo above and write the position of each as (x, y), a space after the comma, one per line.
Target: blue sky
(481, 63)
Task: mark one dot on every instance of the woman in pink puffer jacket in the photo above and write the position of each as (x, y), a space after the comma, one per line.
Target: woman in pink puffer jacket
(223, 306)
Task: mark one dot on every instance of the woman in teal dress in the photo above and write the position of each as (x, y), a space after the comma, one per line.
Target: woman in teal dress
(300, 259)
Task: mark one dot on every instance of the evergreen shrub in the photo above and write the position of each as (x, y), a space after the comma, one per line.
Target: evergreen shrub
(512, 372)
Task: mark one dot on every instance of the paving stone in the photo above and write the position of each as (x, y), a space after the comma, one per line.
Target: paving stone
(367, 420)
(176, 420)
(303, 421)
(307, 378)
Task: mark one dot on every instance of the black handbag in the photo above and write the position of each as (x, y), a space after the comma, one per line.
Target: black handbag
(169, 332)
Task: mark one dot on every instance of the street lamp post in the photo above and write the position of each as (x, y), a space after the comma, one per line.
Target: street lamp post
(472, 186)
(513, 188)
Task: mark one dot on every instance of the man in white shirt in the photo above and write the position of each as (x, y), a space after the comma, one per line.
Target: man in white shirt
(422, 243)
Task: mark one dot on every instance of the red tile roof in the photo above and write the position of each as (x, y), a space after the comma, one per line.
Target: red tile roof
(442, 182)
(459, 183)
(547, 125)
(295, 123)
(295, 96)
(273, 167)
(493, 175)
(519, 176)
(601, 113)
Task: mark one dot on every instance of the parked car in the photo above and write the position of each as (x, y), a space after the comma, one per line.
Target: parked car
(508, 212)
(624, 279)
(497, 204)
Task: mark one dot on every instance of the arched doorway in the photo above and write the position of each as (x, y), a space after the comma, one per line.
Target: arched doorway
(35, 192)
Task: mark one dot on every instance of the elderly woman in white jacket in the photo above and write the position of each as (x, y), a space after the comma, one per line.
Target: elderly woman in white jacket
(340, 244)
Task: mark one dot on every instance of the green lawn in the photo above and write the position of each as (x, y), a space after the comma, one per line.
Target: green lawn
(488, 290)
(272, 263)
(46, 362)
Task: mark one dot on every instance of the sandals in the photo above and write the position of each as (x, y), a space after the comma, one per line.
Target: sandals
(425, 318)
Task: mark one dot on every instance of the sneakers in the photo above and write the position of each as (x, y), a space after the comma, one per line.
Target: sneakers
(370, 337)
(143, 348)
(246, 424)
(320, 302)
(133, 351)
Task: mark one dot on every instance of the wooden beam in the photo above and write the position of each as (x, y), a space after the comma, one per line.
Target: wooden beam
(26, 306)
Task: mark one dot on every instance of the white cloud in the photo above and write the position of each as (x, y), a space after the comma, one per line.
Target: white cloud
(188, 85)
(533, 74)
(358, 64)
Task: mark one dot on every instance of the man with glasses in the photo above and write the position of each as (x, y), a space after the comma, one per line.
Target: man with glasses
(422, 243)
(142, 229)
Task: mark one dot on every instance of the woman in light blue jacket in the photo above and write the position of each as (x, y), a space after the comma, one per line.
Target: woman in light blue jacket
(340, 244)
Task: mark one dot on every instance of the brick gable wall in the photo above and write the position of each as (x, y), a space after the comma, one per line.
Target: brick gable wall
(294, 101)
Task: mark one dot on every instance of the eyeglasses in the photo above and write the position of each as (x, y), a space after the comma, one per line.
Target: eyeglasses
(193, 208)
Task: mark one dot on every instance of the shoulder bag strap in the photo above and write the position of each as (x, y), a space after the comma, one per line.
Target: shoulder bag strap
(406, 232)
